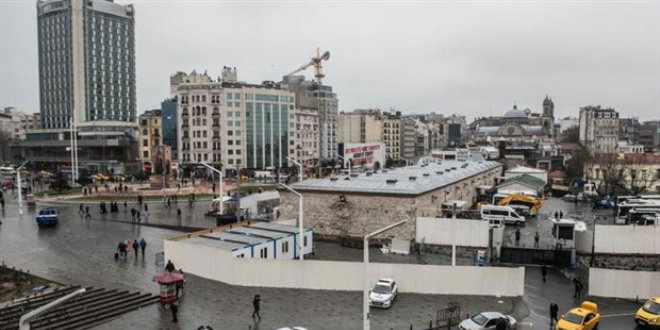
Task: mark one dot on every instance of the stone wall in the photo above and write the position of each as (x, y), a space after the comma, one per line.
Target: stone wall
(344, 214)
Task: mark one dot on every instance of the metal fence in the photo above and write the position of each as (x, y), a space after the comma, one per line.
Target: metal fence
(557, 258)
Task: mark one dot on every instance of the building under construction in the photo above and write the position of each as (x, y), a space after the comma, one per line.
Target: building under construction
(319, 99)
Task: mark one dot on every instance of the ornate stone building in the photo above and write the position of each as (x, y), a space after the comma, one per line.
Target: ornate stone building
(516, 125)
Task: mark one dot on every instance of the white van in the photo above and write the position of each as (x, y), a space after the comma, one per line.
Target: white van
(505, 213)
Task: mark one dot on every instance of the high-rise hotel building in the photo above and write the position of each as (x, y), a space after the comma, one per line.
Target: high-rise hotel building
(87, 75)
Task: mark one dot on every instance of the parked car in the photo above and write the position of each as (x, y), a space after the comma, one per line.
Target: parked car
(648, 316)
(383, 293)
(585, 317)
(486, 321)
(47, 217)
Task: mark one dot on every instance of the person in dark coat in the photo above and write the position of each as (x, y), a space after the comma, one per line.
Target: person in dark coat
(175, 310)
(501, 324)
(133, 213)
(257, 306)
(146, 208)
(561, 214)
(81, 210)
(169, 266)
(517, 237)
(578, 287)
(87, 215)
(554, 309)
(536, 239)
(136, 247)
(178, 214)
(544, 272)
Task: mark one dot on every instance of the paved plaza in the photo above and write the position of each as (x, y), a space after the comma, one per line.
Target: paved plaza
(80, 251)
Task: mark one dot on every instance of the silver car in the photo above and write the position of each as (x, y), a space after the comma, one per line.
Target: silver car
(486, 321)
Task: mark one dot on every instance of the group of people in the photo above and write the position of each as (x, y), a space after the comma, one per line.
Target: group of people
(123, 248)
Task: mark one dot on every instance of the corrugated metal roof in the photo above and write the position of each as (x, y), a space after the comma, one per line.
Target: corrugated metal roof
(238, 238)
(411, 180)
(214, 243)
(271, 226)
(258, 232)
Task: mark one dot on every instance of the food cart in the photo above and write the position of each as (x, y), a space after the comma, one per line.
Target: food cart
(168, 287)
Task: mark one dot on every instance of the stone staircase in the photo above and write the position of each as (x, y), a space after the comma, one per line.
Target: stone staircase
(84, 311)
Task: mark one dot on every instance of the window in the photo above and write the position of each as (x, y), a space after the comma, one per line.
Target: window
(145, 154)
(145, 132)
(285, 247)
(230, 152)
(264, 253)
(145, 143)
(304, 240)
(203, 98)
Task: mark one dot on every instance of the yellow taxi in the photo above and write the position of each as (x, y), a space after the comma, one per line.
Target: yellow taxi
(649, 314)
(585, 317)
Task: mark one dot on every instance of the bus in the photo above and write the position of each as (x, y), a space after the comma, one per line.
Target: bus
(624, 208)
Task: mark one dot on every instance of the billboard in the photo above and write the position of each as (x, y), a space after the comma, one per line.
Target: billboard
(363, 154)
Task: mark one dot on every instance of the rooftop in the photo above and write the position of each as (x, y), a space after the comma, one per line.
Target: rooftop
(411, 180)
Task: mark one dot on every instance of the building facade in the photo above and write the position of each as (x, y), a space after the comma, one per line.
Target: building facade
(86, 62)
(150, 128)
(169, 119)
(599, 129)
(86, 77)
(352, 206)
(311, 95)
(227, 123)
(307, 136)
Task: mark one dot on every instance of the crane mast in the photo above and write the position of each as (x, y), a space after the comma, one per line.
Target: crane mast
(317, 63)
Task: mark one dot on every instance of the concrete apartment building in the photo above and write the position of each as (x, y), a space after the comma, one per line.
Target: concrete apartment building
(408, 139)
(312, 95)
(360, 126)
(233, 124)
(86, 76)
(150, 127)
(307, 136)
(599, 129)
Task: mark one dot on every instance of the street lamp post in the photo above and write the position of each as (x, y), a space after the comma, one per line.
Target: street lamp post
(220, 184)
(300, 219)
(20, 189)
(365, 298)
(300, 174)
(344, 161)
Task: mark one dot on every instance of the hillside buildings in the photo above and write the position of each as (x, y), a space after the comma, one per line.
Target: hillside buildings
(599, 129)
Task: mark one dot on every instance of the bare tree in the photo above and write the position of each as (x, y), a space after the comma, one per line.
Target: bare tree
(637, 175)
(607, 171)
(575, 166)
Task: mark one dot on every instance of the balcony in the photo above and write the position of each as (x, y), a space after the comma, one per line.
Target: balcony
(215, 115)
(185, 114)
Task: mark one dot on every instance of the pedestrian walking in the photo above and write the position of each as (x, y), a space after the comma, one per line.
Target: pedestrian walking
(578, 287)
(556, 215)
(536, 239)
(169, 203)
(544, 272)
(137, 215)
(81, 209)
(517, 237)
(169, 266)
(125, 205)
(133, 214)
(554, 310)
(136, 247)
(178, 214)
(87, 215)
(146, 208)
(501, 324)
(561, 214)
(257, 306)
(143, 245)
(175, 309)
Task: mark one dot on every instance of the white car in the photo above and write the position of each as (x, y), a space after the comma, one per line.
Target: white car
(383, 294)
(486, 321)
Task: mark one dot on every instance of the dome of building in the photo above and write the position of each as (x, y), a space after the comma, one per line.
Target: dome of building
(515, 113)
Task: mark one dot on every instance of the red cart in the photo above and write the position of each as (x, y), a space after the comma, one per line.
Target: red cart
(168, 287)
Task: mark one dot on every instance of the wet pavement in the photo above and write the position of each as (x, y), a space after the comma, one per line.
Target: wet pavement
(543, 225)
(80, 251)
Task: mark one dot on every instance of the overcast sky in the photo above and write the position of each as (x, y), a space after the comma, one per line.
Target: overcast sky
(472, 58)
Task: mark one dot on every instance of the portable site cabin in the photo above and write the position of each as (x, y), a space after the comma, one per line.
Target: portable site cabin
(282, 244)
(308, 235)
(255, 247)
(239, 250)
(563, 232)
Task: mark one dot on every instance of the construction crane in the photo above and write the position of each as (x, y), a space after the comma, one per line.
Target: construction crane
(316, 62)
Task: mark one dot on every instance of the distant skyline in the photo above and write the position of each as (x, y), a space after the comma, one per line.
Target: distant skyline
(474, 58)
